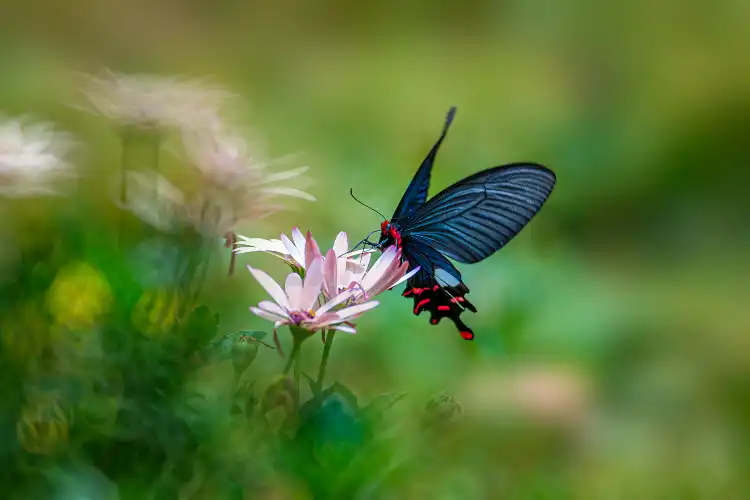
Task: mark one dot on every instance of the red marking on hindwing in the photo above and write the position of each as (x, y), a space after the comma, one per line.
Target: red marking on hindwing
(420, 304)
(444, 308)
(467, 335)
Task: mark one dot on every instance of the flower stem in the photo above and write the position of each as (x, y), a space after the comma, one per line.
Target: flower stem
(324, 359)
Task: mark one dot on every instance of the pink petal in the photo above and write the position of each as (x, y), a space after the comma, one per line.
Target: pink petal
(312, 250)
(266, 315)
(349, 312)
(293, 287)
(273, 308)
(377, 271)
(340, 298)
(341, 244)
(273, 288)
(331, 276)
(312, 285)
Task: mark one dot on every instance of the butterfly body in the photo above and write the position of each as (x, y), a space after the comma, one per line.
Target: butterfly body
(466, 222)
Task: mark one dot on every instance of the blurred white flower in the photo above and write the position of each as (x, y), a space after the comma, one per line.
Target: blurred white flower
(236, 176)
(297, 303)
(154, 101)
(32, 158)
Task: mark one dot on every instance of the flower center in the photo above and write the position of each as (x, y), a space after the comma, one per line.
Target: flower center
(300, 316)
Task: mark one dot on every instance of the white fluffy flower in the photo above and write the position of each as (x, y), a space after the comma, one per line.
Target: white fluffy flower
(154, 101)
(32, 158)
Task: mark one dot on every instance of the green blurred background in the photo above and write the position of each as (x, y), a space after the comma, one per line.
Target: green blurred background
(612, 352)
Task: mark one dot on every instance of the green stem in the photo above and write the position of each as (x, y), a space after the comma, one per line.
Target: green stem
(125, 160)
(324, 359)
(292, 357)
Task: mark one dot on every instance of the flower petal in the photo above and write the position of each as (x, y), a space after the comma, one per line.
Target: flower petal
(273, 308)
(312, 250)
(331, 283)
(292, 250)
(380, 268)
(299, 240)
(344, 328)
(296, 193)
(260, 245)
(273, 288)
(342, 297)
(312, 285)
(349, 312)
(286, 174)
(293, 287)
(407, 276)
(266, 315)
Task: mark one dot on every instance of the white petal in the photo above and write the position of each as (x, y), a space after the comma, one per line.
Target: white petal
(312, 285)
(293, 288)
(266, 315)
(344, 328)
(299, 240)
(291, 249)
(273, 288)
(288, 192)
(262, 245)
(286, 174)
(348, 312)
(342, 297)
(407, 276)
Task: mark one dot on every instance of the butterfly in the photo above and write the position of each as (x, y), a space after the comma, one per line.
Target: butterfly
(466, 222)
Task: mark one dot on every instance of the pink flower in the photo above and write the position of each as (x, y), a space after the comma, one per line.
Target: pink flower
(297, 303)
(344, 271)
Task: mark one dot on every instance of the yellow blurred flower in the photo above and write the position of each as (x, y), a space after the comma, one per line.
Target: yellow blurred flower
(42, 426)
(156, 312)
(78, 296)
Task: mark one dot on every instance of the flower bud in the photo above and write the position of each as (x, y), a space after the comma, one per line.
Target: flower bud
(42, 426)
(279, 394)
(441, 409)
(244, 350)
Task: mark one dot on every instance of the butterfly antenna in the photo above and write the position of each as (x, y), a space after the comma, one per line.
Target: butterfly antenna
(351, 192)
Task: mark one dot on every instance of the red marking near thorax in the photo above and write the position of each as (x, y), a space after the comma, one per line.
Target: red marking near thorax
(388, 230)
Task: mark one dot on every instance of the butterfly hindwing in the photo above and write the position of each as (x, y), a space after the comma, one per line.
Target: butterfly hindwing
(416, 193)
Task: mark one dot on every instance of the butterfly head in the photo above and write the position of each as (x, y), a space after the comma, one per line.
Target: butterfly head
(389, 235)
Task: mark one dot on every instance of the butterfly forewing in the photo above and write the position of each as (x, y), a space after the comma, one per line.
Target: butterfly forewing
(416, 193)
(477, 216)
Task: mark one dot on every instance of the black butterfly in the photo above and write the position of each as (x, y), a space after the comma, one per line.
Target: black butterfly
(466, 222)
